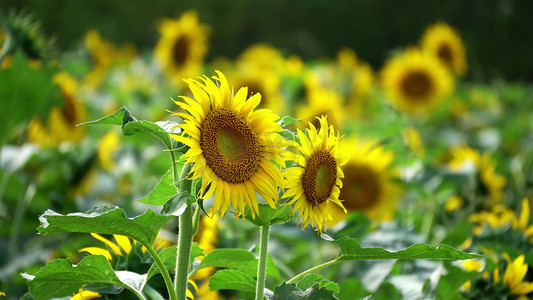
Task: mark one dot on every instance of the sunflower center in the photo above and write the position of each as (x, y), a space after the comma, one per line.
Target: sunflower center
(445, 54)
(417, 84)
(361, 187)
(319, 177)
(230, 147)
(180, 50)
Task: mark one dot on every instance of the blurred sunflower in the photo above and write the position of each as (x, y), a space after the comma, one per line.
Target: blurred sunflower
(207, 239)
(322, 102)
(411, 137)
(314, 184)
(61, 126)
(182, 47)
(107, 146)
(234, 148)
(469, 160)
(415, 81)
(522, 222)
(261, 57)
(266, 83)
(443, 42)
(85, 295)
(368, 181)
(514, 278)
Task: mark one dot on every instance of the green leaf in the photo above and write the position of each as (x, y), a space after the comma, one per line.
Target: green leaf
(231, 280)
(60, 278)
(163, 191)
(312, 279)
(121, 117)
(288, 120)
(387, 291)
(449, 285)
(269, 216)
(352, 288)
(238, 259)
(105, 219)
(168, 256)
(292, 292)
(156, 130)
(351, 250)
(176, 206)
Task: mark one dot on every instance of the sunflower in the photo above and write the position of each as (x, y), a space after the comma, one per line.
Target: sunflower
(415, 81)
(85, 295)
(234, 148)
(315, 183)
(514, 277)
(322, 102)
(61, 126)
(469, 160)
(369, 181)
(522, 222)
(261, 57)
(182, 46)
(107, 146)
(443, 42)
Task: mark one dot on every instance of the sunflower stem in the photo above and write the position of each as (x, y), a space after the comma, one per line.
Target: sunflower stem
(195, 220)
(164, 272)
(261, 268)
(313, 269)
(185, 235)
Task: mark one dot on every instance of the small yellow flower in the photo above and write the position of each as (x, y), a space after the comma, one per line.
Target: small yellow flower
(411, 137)
(85, 295)
(514, 277)
(453, 203)
(471, 265)
(522, 221)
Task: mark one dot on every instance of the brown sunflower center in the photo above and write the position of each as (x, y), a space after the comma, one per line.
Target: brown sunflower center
(417, 84)
(230, 147)
(180, 50)
(361, 187)
(319, 177)
(445, 54)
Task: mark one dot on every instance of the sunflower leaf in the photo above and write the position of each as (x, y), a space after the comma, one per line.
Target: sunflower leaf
(352, 250)
(287, 121)
(105, 219)
(163, 191)
(238, 259)
(60, 278)
(176, 206)
(143, 126)
(292, 292)
(268, 216)
(121, 117)
(312, 279)
(231, 280)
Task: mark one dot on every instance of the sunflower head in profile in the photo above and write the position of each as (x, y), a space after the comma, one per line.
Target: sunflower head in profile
(182, 47)
(415, 81)
(443, 42)
(236, 150)
(314, 183)
(369, 185)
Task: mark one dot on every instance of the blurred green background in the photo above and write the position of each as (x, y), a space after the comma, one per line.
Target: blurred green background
(497, 33)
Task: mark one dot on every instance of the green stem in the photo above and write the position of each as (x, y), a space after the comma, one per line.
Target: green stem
(184, 238)
(166, 276)
(20, 212)
(261, 268)
(313, 269)
(152, 294)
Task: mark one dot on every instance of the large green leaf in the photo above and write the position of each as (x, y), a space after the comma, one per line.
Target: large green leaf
(60, 278)
(105, 219)
(231, 280)
(269, 216)
(156, 130)
(163, 191)
(292, 292)
(121, 117)
(238, 259)
(352, 250)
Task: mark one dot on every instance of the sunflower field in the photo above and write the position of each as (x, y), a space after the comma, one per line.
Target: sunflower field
(166, 170)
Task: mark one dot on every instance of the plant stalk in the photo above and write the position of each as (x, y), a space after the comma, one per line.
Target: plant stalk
(185, 235)
(313, 269)
(261, 268)
(164, 272)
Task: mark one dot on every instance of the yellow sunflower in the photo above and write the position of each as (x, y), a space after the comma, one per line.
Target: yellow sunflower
(62, 121)
(443, 42)
(107, 146)
(522, 222)
(85, 295)
(266, 83)
(416, 81)
(261, 57)
(234, 148)
(369, 181)
(315, 183)
(322, 102)
(514, 277)
(467, 159)
(182, 46)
